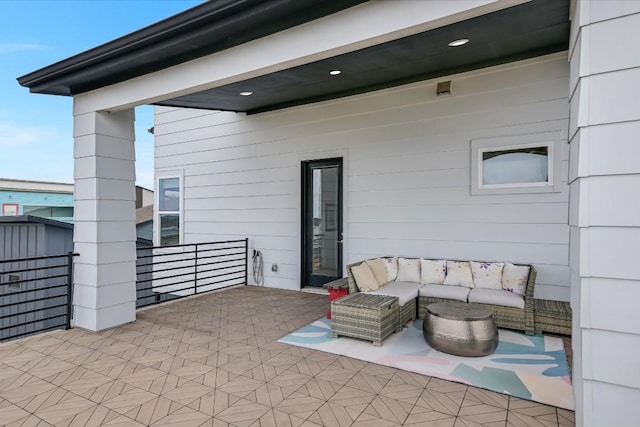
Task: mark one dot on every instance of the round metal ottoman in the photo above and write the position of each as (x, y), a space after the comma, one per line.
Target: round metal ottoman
(460, 329)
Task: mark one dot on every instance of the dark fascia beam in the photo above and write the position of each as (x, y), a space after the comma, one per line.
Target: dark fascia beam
(222, 23)
(132, 41)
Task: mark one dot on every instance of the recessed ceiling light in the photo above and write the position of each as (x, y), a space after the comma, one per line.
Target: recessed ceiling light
(245, 93)
(458, 42)
(335, 72)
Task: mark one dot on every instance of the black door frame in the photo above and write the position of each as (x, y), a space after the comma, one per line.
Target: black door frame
(306, 205)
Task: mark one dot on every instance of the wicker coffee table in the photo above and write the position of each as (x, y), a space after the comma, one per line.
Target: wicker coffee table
(461, 329)
(368, 317)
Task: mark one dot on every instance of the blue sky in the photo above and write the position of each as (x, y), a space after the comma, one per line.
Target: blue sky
(36, 130)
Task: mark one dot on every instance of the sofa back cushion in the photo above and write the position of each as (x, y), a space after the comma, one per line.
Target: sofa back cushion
(459, 274)
(408, 270)
(364, 278)
(379, 269)
(391, 264)
(515, 277)
(433, 271)
(487, 275)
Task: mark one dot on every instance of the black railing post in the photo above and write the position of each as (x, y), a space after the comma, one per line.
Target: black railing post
(195, 271)
(69, 289)
(246, 261)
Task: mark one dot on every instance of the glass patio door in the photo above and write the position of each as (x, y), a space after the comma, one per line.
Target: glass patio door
(321, 221)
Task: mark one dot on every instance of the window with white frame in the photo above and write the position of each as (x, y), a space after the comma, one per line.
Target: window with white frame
(169, 224)
(515, 164)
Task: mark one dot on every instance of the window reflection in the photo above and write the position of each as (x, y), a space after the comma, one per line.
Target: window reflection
(525, 165)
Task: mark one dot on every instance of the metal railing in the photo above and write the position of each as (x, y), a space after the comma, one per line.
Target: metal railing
(170, 272)
(35, 295)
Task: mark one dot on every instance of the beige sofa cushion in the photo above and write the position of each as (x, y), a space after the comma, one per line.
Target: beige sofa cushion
(487, 275)
(458, 293)
(459, 274)
(496, 297)
(433, 271)
(379, 268)
(408, 270)
(364, 278)
(405, 291)
(514, 278)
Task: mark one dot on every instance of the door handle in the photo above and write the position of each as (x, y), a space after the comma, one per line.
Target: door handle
(340, 241)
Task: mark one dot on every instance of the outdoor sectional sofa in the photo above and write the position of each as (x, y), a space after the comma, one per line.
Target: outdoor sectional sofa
(509, 296)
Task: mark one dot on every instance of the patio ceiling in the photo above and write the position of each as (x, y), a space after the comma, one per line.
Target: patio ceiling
(523, 31)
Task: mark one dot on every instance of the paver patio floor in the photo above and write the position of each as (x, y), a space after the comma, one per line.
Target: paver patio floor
(214, 360)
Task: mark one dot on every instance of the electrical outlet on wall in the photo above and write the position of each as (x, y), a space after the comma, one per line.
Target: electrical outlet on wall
(274, 267)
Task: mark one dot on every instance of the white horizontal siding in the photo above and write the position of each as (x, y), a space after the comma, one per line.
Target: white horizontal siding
(407, 172)
(516, 213)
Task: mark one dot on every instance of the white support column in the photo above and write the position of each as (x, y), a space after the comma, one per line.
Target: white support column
(104, 216)
(605, 211)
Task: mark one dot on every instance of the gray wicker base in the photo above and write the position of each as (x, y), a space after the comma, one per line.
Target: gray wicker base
(553, 316)
(368, 317)
(408, 311)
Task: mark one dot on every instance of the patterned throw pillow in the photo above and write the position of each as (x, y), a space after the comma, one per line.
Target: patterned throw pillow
(433, 271)
(391, 264)
(408, 270)
(514, 278)
(364, 278)
(459, 273)
(487, 275)
(379, 269)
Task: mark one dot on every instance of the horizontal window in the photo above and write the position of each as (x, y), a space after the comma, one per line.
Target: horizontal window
(516, 164)
(48, 211)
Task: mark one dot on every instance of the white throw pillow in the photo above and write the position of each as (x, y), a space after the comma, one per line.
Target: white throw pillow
(433, 271)
(459, 273)
(487, 275)
(391, 264)
(364, 278)
(408, 270)
(514, 278)
(379, 269)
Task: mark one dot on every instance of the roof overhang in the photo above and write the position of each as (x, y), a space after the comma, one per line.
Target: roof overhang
(513, 33)
(208, 28)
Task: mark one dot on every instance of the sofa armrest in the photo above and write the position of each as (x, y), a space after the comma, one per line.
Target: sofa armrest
(342, 283)
(529, 302)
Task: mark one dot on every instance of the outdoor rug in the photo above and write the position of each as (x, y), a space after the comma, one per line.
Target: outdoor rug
(529, 367)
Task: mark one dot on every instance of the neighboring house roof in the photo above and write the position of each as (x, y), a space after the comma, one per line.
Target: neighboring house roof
(22, 219)
(513, 33)
(144, 214)
(35, 186)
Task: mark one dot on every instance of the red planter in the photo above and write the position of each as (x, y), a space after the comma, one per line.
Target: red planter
(335, 294)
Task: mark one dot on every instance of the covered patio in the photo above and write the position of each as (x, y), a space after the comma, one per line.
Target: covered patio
(214, 360)
(247, 94)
